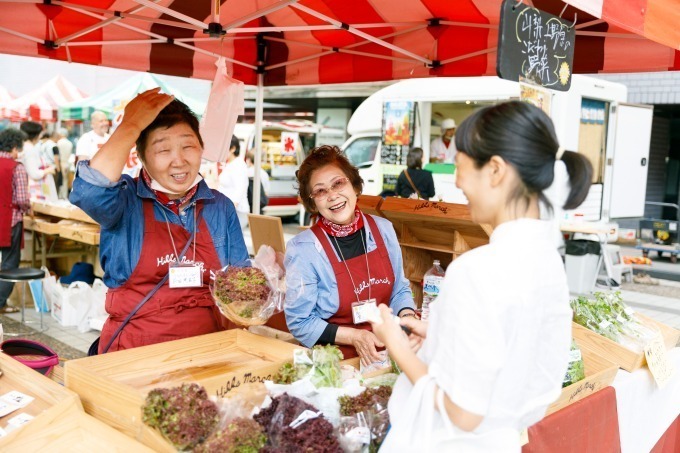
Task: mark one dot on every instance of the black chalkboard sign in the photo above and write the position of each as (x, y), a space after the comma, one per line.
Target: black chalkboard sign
(535, 45)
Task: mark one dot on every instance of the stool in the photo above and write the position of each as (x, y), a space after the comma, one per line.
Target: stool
(24, 275)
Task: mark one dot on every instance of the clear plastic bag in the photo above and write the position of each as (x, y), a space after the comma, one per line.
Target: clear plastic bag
(365, 430)
(249, 295)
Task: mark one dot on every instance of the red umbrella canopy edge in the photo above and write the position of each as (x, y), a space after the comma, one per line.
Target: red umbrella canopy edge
(303, 42)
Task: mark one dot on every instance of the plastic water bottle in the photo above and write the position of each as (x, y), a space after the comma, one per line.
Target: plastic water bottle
(432, 282)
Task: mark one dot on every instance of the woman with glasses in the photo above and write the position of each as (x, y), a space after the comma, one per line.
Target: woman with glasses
(345, 263)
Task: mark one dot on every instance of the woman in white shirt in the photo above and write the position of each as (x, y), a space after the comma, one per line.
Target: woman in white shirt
(233, 181)
(496, 347)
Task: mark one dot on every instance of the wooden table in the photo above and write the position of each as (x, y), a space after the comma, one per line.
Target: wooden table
(58, 221)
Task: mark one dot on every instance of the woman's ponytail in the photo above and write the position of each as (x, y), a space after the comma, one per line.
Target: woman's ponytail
(580, 177)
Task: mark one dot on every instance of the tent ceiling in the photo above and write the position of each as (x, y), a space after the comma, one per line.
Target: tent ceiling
(298, 42)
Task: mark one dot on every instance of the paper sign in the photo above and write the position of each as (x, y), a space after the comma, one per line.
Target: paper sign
(7, 408)
(18, 398)
(19, 419)
(658, 362)
(289, 142)
(182, 276)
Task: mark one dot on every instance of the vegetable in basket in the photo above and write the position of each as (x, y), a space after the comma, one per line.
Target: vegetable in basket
(243, 295)
(184, 415)
(241, 435)
(576, 370)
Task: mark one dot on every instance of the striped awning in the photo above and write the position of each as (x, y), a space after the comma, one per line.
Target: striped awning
(300, 42)
(42, 103)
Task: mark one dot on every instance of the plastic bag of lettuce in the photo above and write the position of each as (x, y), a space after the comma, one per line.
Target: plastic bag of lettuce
(321, 364)
(576, 370)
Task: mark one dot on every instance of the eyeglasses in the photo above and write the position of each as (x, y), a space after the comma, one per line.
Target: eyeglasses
(336, 186)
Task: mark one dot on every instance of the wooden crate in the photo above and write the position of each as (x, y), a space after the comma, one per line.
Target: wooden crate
(51, 401)
(47, 225)
(623, 357)
(69, 431)
(79, 215)
(370, 204)
(599, 373)
(81, 232)
(429, 231)
(113, 386)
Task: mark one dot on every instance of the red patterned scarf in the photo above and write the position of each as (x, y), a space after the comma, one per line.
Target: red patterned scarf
(333, 229)
(162, 197)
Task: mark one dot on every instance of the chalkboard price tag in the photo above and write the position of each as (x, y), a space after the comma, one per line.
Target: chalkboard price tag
(535, 45)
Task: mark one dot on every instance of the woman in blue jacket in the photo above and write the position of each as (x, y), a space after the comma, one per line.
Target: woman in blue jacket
(161, 233)
(346, 260)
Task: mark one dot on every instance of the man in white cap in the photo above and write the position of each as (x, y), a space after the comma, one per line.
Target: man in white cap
(443, 149)
(91, 141)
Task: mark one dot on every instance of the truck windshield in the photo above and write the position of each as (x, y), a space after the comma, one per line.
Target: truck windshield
(361, 152)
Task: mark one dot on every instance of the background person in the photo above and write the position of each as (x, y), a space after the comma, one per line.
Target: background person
(49, 152)
(415, 180)
(264, 182)
(147, 221)
(37, 166)
(347, 257)
(497, 344)
(233, 181)
(65, 151)
(90, 142)
(443, 149)
(14, 203)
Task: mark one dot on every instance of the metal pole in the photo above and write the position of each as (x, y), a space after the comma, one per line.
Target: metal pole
(257, 162)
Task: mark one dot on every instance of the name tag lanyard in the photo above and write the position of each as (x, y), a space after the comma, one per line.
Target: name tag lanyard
(167, 223)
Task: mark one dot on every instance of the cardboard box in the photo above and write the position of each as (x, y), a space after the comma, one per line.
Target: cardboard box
(113, 386)
(614, 352)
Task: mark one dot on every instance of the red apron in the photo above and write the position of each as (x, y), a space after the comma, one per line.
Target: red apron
(171, 313)
(6, 205)
(382, 276)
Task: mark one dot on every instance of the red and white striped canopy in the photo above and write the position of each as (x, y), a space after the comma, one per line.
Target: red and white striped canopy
(295, 42)
(42, 103)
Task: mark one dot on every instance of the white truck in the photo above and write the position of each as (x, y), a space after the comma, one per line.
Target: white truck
(593, 118)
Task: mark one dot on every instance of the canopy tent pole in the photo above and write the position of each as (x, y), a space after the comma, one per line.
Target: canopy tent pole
(257, 163)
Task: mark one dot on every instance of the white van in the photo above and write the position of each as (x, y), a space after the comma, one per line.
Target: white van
(592, 117)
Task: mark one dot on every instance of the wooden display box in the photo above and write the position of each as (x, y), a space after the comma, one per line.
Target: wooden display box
(113, 386)
(69, 431)
(79, 215)
(431, 231)
(618, 354)
(81, 232)
(52, 401)
(370, 204)
(51, 209)
(44, 225)
(599, 373)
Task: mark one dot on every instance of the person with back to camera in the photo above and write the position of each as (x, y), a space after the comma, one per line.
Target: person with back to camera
(165, 219)
(497, 345)
(415, 180)
(346, 258)
(233, 181)
(443, 148)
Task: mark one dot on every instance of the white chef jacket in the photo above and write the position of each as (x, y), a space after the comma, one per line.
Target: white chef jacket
(439, 150)
(497, 344)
